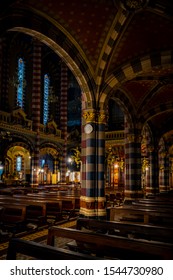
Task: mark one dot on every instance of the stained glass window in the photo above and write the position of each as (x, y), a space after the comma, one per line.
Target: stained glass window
(20, 88)
(42, 163)
(19, 163)
(46, 99)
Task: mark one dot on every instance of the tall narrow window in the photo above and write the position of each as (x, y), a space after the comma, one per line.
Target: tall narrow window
(46, 99)
(20, 88)
(42, 163)
(18, 163)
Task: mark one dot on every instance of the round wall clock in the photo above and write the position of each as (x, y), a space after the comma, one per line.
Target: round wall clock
(88, 128)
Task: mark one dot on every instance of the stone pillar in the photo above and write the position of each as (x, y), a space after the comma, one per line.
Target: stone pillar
(133, 168)
(163, 172)
(152, 186)
(63, 120)
(55, 166)
(93, 159)
(36, 104)
(171, 174)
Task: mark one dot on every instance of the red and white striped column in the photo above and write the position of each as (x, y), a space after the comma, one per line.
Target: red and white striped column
(36, 101)
(63, 119)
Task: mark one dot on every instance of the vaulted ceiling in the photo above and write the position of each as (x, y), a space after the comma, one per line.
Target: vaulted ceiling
(109, 34)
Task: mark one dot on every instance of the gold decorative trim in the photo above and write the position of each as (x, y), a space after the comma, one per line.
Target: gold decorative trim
(89, 116)
(94, 116)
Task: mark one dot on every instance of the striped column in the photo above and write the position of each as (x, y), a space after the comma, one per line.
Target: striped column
(152, 185)
(36, 107)
(132, 164)
(100, 165)
(4, 75)
(171, 174)
(93, 147)
(166, 175)
(163, 172)
(112, 175)
(55, 166)
(63, 119)
(145, 155)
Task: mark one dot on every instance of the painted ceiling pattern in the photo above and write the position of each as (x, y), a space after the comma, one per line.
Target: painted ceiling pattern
(110, 34)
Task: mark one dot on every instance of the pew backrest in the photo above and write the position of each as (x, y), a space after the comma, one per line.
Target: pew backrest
(42, 252)
(150, 232)
(113, 246)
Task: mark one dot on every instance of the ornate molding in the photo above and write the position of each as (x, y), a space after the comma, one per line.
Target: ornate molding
(102, 117)
(94, 116)
(89, 116)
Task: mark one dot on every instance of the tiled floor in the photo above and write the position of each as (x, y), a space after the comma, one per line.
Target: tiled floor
(38, 236)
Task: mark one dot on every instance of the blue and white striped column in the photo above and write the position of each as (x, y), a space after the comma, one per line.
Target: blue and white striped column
(93, 160)
(133, 165)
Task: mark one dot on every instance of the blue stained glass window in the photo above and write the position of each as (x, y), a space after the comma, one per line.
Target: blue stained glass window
(19, 163)
(42, 163)
(46, 99)
(21, 68)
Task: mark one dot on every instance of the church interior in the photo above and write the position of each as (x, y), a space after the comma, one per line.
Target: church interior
(86, 129)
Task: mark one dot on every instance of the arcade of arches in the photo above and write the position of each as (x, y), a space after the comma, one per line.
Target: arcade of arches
(104, 122)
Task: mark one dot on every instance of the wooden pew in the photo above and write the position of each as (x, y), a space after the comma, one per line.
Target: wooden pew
(154, 202)
(1, 214)
(13, 213)
(51, 206)
(13, 217)
(42, 252)
(35, 210)
(149, 232)
(67, 205)
(142, 215)
(23, 199)
(112, 246)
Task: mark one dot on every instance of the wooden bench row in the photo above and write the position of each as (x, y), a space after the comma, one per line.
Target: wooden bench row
(65, 202)
(42, 252)
(141, 214)
(111, 246)
(149, 232)
(102, 239)
(20, 210)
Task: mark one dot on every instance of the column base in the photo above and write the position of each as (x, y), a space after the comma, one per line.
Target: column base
(130, 195)
(151, 192)
(34, 185)
(91, 207)
(164, 188)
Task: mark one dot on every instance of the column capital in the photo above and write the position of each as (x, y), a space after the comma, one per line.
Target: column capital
(93, 115)
(89, 115)
(132, 137)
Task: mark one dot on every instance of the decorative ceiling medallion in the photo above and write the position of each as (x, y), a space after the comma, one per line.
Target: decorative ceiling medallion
(133, 5)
